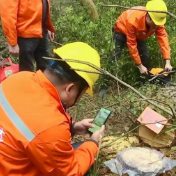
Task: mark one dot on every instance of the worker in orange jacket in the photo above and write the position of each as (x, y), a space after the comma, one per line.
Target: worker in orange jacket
(35, 130)
(27, 25)
(133, 26)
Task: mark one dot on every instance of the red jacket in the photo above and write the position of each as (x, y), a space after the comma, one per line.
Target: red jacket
(35, 138)
(23, 18)
(132, 23)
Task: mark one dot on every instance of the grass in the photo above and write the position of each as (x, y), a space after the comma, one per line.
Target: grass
(124, 114)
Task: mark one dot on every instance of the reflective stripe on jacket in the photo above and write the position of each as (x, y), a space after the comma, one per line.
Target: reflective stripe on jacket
(35, 138)
(132, 23)
(23, 18)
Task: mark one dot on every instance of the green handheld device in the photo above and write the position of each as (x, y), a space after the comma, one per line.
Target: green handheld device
(100, 119)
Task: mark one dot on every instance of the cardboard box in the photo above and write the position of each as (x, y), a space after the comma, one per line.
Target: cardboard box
(153, 120)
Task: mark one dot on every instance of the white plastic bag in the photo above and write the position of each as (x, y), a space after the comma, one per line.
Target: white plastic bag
(136, 161)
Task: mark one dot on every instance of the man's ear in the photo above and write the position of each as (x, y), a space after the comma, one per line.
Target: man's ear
(69, 88)
(147, 16)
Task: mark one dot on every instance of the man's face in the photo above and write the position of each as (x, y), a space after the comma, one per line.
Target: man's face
(150, 23)
(70, 94)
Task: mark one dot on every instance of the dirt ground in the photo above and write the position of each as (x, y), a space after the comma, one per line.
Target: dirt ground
(121, 121)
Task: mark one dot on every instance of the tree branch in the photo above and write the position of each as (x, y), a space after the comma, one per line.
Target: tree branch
(56, 43)
(158, 102)
(87, 71)
(125, 134)
(102, 71)
(131, 8)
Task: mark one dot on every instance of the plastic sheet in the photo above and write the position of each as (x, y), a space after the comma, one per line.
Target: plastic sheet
(136, 161)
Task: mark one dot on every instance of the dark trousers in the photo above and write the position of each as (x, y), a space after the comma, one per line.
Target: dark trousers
(77, 144)
(32, 50)
(120, 42)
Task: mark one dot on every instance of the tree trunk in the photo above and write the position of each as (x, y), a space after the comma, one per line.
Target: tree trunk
(91, 6)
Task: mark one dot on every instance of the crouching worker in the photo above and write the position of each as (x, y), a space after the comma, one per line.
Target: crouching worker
(35, 130)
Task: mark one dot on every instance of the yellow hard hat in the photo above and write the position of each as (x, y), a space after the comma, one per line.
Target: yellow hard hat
(157, 5)
(82, 52)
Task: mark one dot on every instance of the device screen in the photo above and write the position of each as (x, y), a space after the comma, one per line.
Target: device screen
(100, 119)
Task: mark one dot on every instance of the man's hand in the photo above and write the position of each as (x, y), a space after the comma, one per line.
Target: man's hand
(143, 70)
(51, 35)
(82, 126)
(14, 50)
(168, 66)
(96, 136)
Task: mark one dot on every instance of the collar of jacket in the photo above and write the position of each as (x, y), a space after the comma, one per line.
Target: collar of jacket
(48, 86)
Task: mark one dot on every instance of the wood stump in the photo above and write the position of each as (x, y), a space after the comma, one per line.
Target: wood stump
(152, 139)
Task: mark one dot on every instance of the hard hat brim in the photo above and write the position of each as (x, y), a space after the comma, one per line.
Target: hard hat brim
(72, 64)
(157, 22)
(81, 52)
(89, 91)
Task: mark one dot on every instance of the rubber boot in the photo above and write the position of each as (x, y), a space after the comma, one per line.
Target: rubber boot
(103, 92)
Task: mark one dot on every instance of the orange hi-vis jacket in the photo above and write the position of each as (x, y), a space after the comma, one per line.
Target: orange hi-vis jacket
(23, 18)
(35, 137)
(132, 23)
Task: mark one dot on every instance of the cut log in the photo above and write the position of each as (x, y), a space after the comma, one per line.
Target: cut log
(152, 139)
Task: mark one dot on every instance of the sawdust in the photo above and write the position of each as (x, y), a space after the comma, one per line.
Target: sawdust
(118, 144)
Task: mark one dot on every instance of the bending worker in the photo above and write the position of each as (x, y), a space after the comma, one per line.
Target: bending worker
(133, 26)
(35, 130)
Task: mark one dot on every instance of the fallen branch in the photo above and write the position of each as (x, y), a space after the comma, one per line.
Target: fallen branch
(3, 50)
(166, 88)
(102, 71)
(125, 134)
(165, 72)
(158, 102)
(56, 43)
(131, 113)
(161, 74)
(132, 8)
(172, 95)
